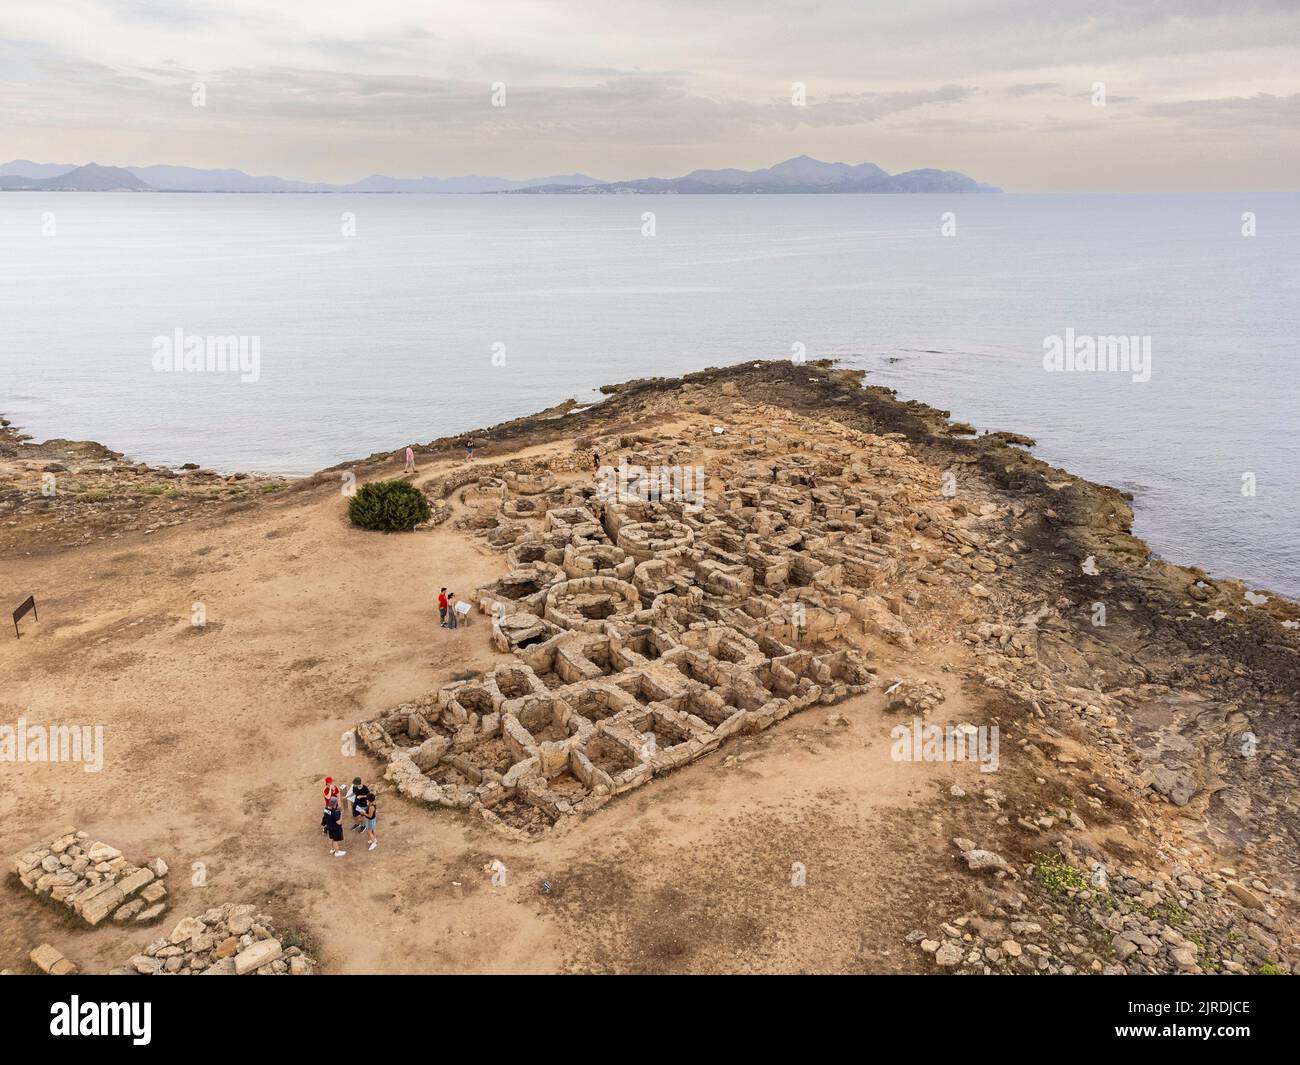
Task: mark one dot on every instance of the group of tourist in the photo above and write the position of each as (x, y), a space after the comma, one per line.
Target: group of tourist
(361, 803)
(410, 455)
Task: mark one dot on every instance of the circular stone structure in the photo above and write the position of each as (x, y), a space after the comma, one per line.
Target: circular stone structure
(530, 484)
(665, 538)
(586, 603)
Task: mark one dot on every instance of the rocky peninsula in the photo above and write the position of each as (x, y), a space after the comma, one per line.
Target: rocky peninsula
(861, 591)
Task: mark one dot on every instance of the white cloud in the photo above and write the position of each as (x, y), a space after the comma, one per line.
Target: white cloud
(332, 91)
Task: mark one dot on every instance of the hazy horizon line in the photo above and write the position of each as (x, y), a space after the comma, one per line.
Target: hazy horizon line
(450, 176)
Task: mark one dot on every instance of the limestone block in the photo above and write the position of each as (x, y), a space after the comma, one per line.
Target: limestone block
(263, 952)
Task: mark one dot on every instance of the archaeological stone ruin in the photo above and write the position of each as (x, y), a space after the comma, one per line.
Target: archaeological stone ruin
(642, 630)
(92, 879)
(227, 940)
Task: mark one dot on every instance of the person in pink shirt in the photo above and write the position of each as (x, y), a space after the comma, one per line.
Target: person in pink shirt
(410, 460)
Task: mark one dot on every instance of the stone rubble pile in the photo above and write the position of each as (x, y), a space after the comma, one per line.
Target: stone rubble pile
(92, 878)
(227, 940)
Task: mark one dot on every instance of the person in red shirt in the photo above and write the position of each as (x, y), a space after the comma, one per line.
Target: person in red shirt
(330, 793)
(442, 607)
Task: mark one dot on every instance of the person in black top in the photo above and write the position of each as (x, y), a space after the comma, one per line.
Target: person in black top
(358, 795)
(332, 826)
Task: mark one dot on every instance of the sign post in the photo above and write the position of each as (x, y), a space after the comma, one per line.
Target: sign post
(27, 607)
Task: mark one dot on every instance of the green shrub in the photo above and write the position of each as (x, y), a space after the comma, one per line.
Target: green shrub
(1058, 876)
(1175, 914)
(388, 506)
(300, 938)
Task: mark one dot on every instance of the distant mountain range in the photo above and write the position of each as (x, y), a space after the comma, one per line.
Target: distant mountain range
(801, 174)
(24, 174)
(89, 178)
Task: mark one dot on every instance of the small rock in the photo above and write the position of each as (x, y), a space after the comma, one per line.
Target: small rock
(128, 910)
(45, 957)
(979, 860)
(186, 929)
(948, 955)
(1245, 896)
(261, 953)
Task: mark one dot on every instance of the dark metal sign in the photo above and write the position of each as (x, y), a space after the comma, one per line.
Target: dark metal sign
(28, 607)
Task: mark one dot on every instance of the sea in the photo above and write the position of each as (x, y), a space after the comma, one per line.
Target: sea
(367, 322)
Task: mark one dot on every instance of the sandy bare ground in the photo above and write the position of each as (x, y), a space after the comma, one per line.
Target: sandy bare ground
(217, 738)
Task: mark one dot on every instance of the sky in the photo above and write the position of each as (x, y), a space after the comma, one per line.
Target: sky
(1198, 95)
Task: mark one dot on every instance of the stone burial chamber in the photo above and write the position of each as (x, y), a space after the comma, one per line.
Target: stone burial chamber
(638, 636)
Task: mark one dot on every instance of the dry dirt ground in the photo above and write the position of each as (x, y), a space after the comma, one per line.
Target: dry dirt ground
(217, 740)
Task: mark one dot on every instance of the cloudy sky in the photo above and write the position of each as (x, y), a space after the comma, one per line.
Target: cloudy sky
(1199, 94)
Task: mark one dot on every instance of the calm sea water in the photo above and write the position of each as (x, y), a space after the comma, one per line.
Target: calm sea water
(371, 340)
